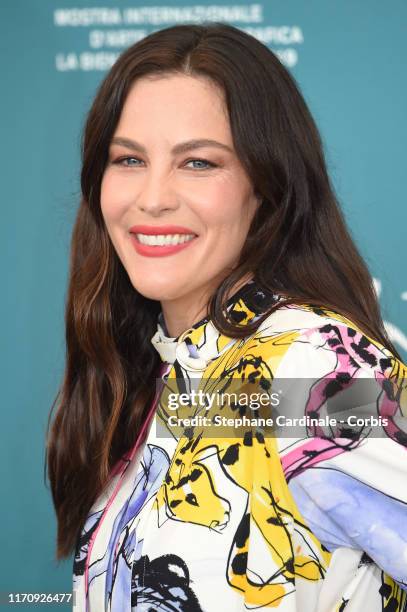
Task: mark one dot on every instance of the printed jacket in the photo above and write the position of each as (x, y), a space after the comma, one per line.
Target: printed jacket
(312, 518)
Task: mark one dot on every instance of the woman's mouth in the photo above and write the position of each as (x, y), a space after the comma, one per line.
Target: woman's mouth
(158, 245)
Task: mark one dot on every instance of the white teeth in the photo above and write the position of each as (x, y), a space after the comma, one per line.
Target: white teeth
(163, 239)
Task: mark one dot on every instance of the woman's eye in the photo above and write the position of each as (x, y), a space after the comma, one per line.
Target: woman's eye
(201, 161)
(126, 161)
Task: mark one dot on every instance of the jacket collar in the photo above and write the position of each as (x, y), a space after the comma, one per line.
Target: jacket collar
(202, 342)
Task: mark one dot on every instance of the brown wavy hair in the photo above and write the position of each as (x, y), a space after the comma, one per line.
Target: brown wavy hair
(298, 246)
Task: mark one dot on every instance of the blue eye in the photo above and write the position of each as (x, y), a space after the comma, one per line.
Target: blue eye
(202, 161)
(125, 161)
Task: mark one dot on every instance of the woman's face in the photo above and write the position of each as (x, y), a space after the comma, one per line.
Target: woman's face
(155, 179)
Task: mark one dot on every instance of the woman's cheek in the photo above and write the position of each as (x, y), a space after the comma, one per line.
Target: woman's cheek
(115, 197)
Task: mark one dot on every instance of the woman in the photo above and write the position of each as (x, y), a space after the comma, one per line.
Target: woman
(209, 253)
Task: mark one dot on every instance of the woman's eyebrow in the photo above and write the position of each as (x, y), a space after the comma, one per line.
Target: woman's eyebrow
(181, 147)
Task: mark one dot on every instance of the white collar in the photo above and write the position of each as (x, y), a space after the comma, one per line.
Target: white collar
(165, 345)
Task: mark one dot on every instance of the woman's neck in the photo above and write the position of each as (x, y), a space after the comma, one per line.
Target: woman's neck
(181, 313)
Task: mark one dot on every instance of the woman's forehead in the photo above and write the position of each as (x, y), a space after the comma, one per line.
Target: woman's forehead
(188, 107)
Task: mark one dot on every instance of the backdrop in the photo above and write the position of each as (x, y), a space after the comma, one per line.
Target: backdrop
(349, 59)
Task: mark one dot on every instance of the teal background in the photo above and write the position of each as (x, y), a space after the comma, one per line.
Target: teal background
(351, 69)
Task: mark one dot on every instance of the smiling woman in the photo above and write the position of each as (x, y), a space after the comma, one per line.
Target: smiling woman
(209, 254)
(209, 199)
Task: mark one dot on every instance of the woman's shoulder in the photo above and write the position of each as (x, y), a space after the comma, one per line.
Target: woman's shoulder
(310, 338)
(305, 317)
(332, 359)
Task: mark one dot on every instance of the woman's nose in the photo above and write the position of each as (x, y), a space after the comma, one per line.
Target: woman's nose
(157, 194)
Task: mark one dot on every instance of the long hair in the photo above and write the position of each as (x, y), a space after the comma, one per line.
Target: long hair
(298, 246)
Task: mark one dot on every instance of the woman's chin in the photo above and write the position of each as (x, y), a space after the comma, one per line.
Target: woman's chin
(161, 289)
